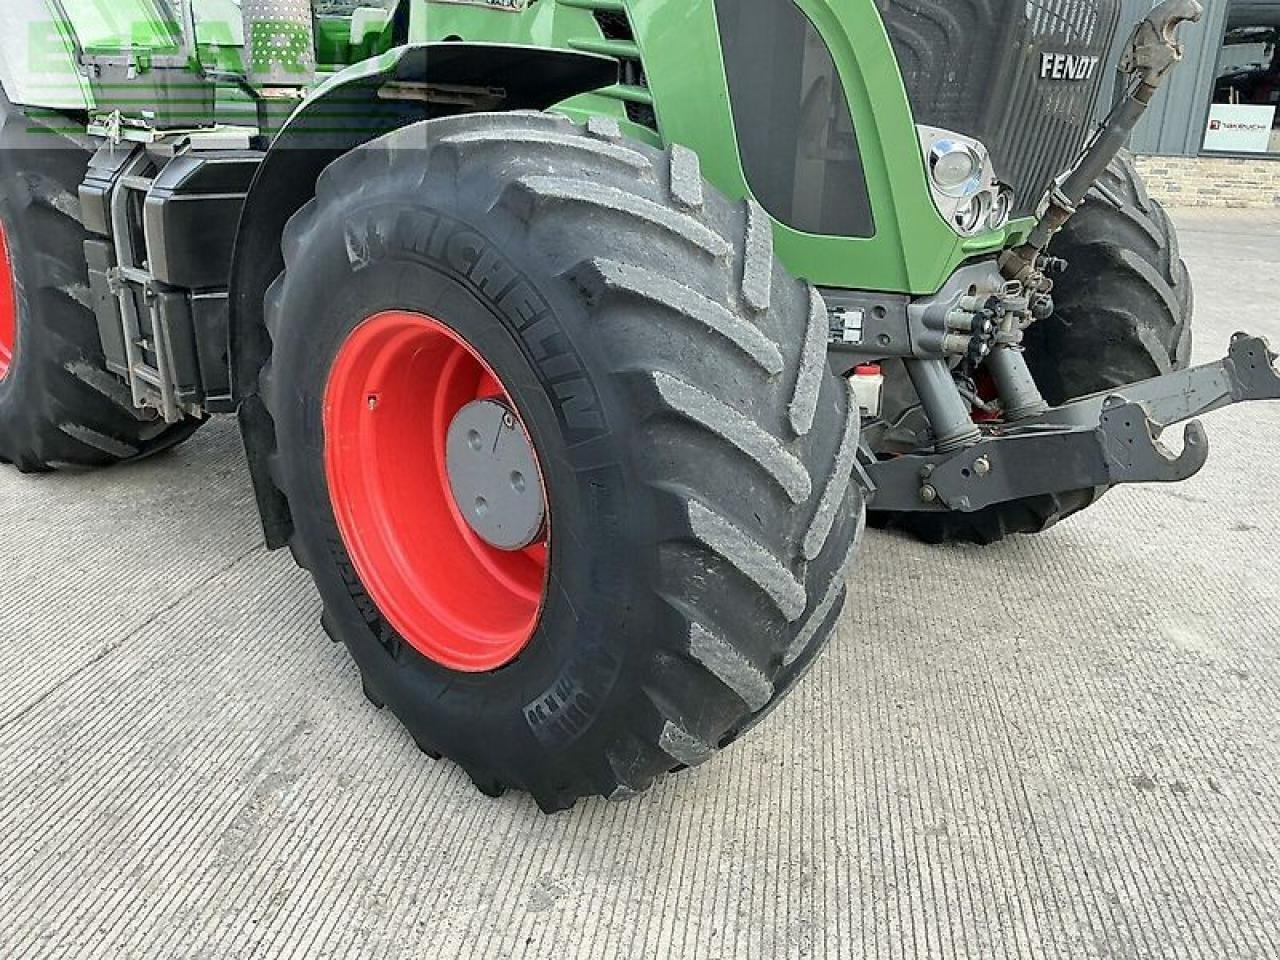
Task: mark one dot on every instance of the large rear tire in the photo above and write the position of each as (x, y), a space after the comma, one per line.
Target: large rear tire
(1123, 315)
(59, 405)
(695, 451)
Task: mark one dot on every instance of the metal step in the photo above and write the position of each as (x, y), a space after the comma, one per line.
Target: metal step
(152, 387)
(147, 374)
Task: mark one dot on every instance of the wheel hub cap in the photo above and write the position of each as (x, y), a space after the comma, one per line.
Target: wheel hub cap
(494, 476)
(437, 491)
(8, 306)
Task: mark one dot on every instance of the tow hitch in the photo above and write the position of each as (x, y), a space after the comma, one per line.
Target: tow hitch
(1097, 441)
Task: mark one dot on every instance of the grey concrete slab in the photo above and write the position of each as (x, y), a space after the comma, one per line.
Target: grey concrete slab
(1064, 746)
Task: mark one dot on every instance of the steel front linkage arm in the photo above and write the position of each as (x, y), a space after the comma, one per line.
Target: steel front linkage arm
(1097, 441)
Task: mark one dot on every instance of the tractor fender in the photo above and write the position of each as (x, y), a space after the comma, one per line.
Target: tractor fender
(406, 85)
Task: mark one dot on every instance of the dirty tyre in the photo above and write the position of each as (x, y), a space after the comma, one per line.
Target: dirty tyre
(1123, 314)
(1123, 309)
(59, 405)
(695, 451)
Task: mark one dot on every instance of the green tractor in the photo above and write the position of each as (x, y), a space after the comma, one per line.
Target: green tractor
(574, 342)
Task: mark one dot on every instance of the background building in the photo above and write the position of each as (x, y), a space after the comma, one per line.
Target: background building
(1212, 136)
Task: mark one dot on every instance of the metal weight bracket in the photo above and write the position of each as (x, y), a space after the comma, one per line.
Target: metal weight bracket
(1102, 440)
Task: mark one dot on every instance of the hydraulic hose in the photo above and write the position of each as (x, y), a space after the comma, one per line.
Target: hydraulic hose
(1152, 53)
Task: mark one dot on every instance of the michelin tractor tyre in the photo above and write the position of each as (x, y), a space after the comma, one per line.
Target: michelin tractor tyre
(561, 448)
(59, 405)
(1123, 314)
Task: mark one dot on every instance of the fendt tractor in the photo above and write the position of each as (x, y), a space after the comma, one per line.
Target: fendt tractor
(574, 343)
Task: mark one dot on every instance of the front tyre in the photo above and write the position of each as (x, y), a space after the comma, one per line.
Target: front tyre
(561, 448)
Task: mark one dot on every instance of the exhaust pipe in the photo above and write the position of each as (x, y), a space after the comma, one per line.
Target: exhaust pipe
(280, 44)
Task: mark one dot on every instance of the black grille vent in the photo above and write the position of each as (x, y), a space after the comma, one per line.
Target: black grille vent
(616, 26)
(1074, 21)
(643, 114)
(974, 66)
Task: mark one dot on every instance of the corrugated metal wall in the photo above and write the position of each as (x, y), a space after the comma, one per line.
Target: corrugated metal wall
(1175, 123)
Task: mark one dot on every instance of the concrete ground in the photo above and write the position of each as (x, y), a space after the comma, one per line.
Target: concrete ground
(1064, 746)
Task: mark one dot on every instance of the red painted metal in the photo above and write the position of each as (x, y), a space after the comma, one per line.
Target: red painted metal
(8, 306)
(988, 393)
(394, 388)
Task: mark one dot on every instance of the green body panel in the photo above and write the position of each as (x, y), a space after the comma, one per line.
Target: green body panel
(564, 25)
(46, 38)
(110, 26)
(146, 29)
(913, 251)
(46, 57)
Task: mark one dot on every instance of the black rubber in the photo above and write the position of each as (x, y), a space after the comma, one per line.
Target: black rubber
(1126, 297)
(59, 405)
(1123, 315)
(673, 377)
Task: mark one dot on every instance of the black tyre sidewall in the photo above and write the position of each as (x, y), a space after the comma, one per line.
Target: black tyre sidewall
(59, 406)
(13, 384)
(548, 699)
(31, 251)
(671, 377)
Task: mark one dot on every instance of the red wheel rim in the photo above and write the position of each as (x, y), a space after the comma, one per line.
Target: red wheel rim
(8, 307)
(394, 389)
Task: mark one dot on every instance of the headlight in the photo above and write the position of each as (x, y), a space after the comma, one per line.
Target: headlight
(971, 215)
(963, 182)
(956, 168)
(1001, 210)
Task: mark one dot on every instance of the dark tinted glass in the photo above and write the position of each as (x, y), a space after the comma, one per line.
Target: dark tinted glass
(795, 133)
(1245, 114)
